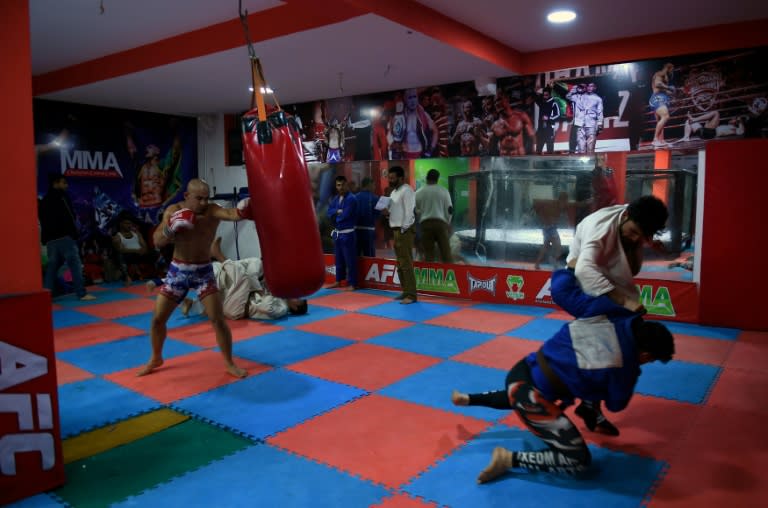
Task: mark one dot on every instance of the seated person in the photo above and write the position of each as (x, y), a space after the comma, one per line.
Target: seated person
(130, 247)
(242, 291)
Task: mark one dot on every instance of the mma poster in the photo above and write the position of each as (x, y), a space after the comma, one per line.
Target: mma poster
(114, 160)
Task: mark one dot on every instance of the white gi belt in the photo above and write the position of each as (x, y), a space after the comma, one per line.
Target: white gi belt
(336, 232)
(367, 228)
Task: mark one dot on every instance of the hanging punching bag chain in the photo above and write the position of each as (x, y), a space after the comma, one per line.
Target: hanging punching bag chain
(257, 74)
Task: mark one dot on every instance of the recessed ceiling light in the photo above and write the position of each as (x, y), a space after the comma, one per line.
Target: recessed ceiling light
(564, 16)
(263, 90)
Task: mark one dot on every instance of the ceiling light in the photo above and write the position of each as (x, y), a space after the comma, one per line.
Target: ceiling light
(263, 90)
(564, 16)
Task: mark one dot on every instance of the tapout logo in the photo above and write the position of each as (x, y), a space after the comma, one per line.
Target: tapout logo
(488, 285)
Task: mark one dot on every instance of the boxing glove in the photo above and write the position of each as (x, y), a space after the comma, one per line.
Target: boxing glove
(181, 220)
(244, 210)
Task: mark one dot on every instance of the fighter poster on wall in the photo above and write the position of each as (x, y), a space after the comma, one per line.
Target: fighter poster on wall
(114, 160)
(404, 124)
(679, 102)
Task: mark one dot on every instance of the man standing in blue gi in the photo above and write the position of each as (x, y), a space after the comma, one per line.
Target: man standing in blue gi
(343, 214)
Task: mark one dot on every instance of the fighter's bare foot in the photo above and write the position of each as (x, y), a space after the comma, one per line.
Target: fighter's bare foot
(236, 371)
(501, 462)
(459, 399)
(334, 285)
(149, 367)
(185, 306)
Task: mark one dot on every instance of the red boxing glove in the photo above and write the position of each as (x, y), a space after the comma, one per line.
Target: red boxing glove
(244, 209)
(182, 220)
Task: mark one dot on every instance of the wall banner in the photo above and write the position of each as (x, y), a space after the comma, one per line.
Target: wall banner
(114, 160)
(664, 300)
(31, 459)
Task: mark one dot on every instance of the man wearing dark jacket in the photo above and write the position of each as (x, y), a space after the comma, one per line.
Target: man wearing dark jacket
(596, 358)
(59, 234)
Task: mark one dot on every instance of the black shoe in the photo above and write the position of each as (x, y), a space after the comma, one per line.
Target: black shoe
(400, 296)
(596, 421)
(587, 414)
(606, 427)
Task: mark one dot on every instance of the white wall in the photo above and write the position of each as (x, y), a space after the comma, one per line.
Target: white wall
(239, 239)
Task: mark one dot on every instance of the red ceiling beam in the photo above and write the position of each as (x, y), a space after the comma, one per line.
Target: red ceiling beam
(438, 26)
(285, 19)
(747, 34)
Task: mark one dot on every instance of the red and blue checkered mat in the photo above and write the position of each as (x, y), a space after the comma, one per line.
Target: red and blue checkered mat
(349, 405)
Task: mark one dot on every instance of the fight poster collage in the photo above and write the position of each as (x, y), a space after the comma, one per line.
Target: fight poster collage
(679, 102)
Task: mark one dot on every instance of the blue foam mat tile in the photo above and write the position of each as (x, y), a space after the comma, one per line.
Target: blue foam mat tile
(66, 318)
(419, 311)
(432, 387)
(262, 475)
(285, 347)
(314, 313)
(321, 292)
(616, 479)
(525, 310)
(122, 354)
(710, 332)
(539, 329)
(268, 403)
(71, 301)
(95, 402)
(431, 340)
(678, 380)
(38, 501)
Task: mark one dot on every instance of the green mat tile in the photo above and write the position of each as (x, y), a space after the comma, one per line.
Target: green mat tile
(129, 469)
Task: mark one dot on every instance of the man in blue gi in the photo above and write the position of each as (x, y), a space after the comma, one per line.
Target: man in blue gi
(343, 214)
(596, 358)
(367, 215)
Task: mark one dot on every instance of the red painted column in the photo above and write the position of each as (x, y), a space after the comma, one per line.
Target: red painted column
(31, 458)
(733, 236)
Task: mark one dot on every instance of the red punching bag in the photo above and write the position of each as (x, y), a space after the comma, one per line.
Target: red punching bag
(282, 205)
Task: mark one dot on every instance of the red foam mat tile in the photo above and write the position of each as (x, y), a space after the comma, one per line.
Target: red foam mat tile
(701, 350)
(350, 300)
(373, 447)
(202, 334)
(365, 366)
(402, 501)
(481, 320)
(140, 289)
(559, 314)
(74, 337)
(455, 302)
(499, 353)
(741, 390)
(720, 462)
(119, 308)
(354, 326)
(750, 352)
(184, 376)
(68, 373)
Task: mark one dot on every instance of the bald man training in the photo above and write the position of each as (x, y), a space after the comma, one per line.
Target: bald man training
(190, 226)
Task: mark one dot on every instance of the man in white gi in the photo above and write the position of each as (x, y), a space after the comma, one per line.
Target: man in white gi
(242, 291)
(606, 253)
